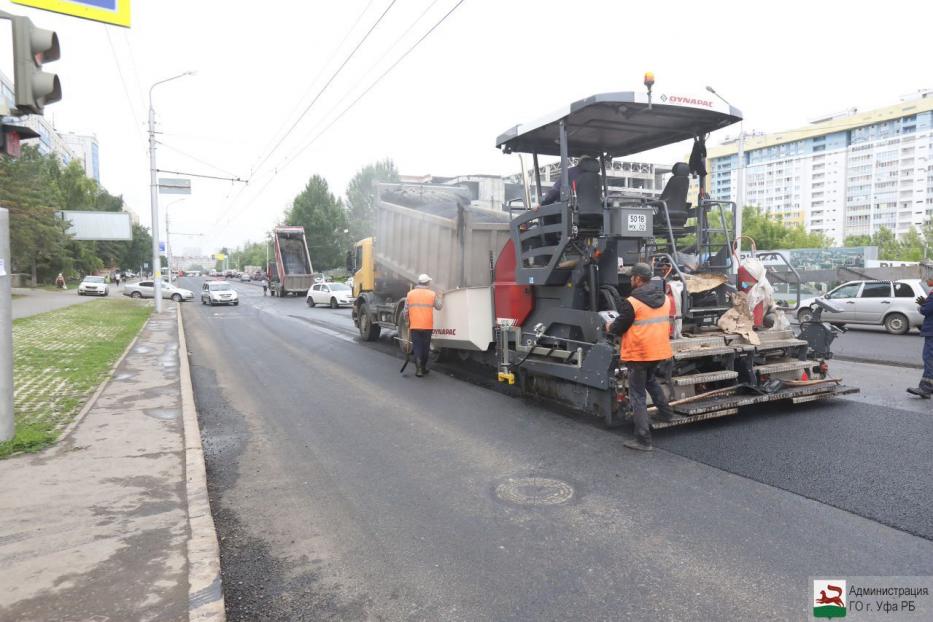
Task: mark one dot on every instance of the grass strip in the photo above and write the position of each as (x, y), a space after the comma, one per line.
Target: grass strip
(59, 359)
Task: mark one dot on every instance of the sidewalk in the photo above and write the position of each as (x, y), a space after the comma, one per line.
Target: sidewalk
(29, 301)
(113, 522)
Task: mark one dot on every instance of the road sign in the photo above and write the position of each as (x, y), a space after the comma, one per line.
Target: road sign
(161, 247)
(115, 12)
(174, 185)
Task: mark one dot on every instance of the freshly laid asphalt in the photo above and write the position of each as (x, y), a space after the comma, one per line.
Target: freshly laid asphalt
(342, 489)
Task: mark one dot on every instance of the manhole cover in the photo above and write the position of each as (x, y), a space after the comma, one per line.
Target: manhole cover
(534, 491)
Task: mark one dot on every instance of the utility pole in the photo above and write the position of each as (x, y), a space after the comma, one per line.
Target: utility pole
(154, 199)
(7, 426)
(739, 176)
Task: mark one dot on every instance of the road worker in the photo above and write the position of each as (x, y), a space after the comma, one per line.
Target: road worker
(420, 305)
(925, 389)
(644, 324)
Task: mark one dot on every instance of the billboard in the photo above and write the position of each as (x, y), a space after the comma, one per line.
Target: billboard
(116, 12)
(100, 226)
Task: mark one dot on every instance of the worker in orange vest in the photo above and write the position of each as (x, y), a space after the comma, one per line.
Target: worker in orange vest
(420, 305)
(644, 323)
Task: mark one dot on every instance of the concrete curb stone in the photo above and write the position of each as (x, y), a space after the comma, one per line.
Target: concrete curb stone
(205, 591)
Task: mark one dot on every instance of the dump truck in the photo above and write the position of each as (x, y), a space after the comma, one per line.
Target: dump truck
(530, 295)
(290, 272)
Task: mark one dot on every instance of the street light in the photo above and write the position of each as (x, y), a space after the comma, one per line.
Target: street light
(740, 176)
(154, 198)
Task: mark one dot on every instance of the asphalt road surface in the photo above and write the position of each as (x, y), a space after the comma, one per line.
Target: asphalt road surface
(345, 490)
(873, 343)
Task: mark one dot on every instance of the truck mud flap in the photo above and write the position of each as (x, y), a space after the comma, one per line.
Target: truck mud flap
(730, 405)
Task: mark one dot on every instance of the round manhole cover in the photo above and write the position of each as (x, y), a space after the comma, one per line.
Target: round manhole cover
(534, 491)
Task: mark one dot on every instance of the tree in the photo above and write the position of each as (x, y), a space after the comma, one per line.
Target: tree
(361, 196)
(28, 189)
(857, 240)
(137, 251)
(771, 233)
(325, 222)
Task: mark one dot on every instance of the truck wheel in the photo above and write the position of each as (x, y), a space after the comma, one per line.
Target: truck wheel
(896, 324)
(368, 330)
(333, 303)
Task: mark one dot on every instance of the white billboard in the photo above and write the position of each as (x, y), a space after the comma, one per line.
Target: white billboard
(100, 226)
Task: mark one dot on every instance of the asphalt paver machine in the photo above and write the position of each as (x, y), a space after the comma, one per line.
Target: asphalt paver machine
(563, 272)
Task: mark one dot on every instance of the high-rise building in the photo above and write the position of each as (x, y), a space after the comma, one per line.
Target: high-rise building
(842, 175)
(87, 149)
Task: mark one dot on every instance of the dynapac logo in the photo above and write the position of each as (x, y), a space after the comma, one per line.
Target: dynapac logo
(690, 101)
(444, 331)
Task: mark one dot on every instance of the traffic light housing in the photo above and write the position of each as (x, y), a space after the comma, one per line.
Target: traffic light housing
(32, 47)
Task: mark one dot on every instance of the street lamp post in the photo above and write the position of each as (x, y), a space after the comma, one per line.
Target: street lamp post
(154, 198)
(740, 176)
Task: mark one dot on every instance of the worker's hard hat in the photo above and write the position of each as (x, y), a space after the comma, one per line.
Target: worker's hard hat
(642, 270)
(423, 279)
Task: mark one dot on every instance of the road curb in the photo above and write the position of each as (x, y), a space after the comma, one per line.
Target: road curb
(205, 592)
(860, 359)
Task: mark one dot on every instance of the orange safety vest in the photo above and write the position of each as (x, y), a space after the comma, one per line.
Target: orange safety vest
(420, 304)
(648, 338)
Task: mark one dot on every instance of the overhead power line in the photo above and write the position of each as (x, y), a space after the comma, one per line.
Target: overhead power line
(369, 88)
(284, 136)
(326, 84)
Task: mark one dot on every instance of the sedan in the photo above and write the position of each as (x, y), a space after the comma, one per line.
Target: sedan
(146, 289)
(244, 278)
(332, 294)
(93, 286)
(219, 293)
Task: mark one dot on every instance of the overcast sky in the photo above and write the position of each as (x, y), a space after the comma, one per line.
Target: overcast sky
(490, 65)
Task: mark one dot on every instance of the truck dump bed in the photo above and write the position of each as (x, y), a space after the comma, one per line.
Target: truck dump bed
(293, 273)
(428, 228)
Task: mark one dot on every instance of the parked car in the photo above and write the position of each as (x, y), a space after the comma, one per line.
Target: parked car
(888, 303)
(93, 286)
(333, 294)
(146, 289)
(219, 293)
(244, 278)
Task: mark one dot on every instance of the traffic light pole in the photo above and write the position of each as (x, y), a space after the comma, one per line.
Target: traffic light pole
(154, 200)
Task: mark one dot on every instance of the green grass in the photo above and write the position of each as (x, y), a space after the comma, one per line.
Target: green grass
(59, 358)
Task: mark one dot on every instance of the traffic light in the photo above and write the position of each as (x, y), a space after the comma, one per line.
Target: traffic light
(31, 48)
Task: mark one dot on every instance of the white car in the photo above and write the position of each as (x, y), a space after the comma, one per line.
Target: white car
(890, 304)
(93, 286)
(146, 289)
(332, 294)
(219, 293)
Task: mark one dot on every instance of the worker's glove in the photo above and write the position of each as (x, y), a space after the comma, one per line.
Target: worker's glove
(921, 300)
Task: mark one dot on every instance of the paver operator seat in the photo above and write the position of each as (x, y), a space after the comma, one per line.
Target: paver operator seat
(675, 195)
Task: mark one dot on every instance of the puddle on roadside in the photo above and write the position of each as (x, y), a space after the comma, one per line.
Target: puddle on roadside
(165, 414)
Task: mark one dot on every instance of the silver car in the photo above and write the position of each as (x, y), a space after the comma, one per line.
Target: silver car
(892, 304)
(146, 289)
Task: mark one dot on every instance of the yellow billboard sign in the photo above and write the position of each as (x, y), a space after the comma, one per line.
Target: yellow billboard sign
(219, 256)
(116, 12)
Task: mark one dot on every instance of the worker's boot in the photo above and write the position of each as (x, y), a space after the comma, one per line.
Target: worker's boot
(419, 372)
(925, 390)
